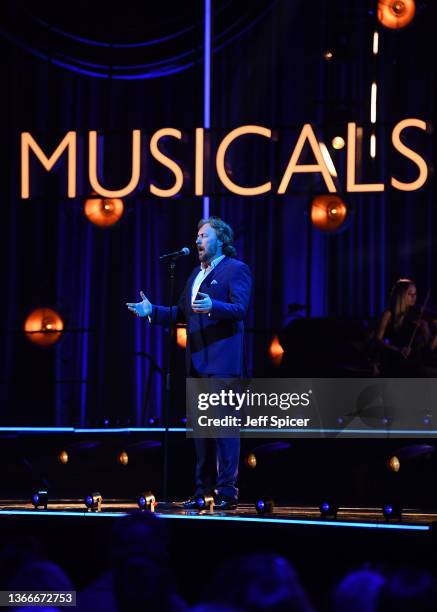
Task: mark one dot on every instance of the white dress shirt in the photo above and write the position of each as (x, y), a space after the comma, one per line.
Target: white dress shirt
(203, 273)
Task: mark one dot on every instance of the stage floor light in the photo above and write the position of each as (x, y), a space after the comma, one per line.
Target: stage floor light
(205, 502)
(264, 505)
(93, 502)
(40, 499)
(392, 511)
(147, 501)
(328, 509)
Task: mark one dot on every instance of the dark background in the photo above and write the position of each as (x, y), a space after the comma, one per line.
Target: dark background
(85, 66)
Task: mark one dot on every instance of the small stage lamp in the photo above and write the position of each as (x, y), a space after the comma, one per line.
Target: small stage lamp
(205, 502)
(147, 502)
(40, 499)
(264, 506)
(392, 511)
(328, 509)
(93, 502)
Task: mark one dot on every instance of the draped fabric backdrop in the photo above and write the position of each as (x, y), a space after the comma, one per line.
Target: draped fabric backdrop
(268, 69)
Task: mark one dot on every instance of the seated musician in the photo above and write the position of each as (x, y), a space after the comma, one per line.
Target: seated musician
(402, 333)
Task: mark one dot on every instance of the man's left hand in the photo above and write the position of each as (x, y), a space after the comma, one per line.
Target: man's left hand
(202, 304)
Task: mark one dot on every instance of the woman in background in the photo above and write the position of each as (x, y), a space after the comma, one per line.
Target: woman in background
(402, 333)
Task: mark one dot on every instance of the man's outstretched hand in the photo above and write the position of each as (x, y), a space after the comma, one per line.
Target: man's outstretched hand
(202, 303)
(141, 309)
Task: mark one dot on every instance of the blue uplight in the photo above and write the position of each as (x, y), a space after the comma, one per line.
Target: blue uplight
(260, 504)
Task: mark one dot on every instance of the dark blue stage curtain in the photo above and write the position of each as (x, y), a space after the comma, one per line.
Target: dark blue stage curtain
(268, 69)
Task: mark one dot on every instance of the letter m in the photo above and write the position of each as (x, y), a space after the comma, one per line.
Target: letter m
(28, 142)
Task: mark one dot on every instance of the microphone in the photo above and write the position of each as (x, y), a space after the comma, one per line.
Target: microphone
(176, 254)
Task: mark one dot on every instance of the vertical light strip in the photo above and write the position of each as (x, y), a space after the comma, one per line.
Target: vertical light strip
(372, 146)
(373, 103)
(375, 43)
(207, 84)
(85, 317)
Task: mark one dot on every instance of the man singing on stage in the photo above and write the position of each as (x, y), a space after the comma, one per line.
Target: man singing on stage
(214, 304)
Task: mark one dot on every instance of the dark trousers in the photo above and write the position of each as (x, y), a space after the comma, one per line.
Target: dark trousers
(217, 461)
(217, 465)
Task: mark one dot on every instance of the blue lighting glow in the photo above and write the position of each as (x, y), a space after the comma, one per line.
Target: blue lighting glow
(212, 517)
(142, 501)
(81, 430)
(260, 504)
(200, 502)
(325, 507)
(89, 500)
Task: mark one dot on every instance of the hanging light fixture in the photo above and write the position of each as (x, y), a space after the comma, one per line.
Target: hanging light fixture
(396, 14)
(103, 211)
(43, 326)
(328, 212)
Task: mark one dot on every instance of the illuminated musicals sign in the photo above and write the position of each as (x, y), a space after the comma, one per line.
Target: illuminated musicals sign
(322, 165)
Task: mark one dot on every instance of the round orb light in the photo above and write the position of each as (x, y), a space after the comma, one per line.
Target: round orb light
(338, 142)
(123, 458)
(63, 457)
(394, 465)
(328, 212)
(396, 14)
(276, 352)
(104, 211)
(251, 461)
(181, 336)
(43, 326)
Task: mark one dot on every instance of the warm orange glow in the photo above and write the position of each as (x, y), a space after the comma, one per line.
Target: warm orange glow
(396, 14)
(28, 142)
(43, 326)
(328, 55)
(251, 461)
(351, 162)
(394, 465)
(104, 212)
(167, 162)
(123, 458)
(307, 133)
(198, 187)
(181, 336)
(276, 351)
(136, 167)
(328, 212)
(220, 160)
(63, 457)
(338, 142)
(410, 154)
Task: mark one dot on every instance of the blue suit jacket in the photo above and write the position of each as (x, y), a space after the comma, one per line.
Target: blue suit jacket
(215, 342)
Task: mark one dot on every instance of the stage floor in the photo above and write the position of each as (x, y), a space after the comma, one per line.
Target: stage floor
(412, 519)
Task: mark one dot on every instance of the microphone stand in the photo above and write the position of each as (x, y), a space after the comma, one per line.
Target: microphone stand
(168, 379)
